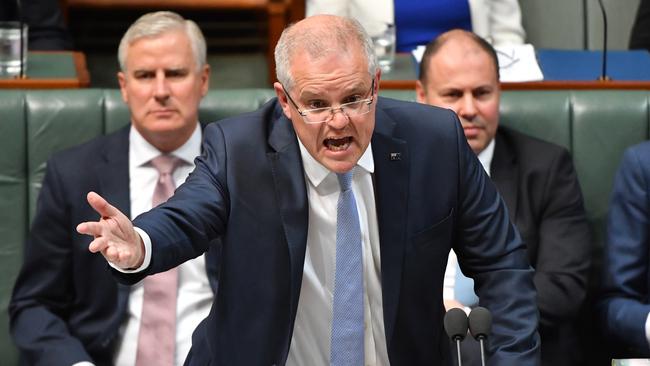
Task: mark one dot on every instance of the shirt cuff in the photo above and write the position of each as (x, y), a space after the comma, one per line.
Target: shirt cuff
(146, 240)
(647, 328)
(83, 363)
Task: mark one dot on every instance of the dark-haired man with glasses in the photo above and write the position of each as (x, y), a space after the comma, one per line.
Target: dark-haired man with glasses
(337, 210)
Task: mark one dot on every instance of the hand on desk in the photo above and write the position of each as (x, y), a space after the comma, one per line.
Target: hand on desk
(114, 235)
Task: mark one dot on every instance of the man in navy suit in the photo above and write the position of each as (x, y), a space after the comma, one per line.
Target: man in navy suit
(267, 184)
(537, 180)
(625, 305)
(67, 309)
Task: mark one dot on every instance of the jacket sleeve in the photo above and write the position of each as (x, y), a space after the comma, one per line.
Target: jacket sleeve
(498, 21)
(490, 251)
(624, 307)
(563, 257)
(185, 226)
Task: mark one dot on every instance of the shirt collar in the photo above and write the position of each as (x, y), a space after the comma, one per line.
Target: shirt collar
(485, 157)
(141, 151)
(316, 172)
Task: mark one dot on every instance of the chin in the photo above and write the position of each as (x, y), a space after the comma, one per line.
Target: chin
(340, 166)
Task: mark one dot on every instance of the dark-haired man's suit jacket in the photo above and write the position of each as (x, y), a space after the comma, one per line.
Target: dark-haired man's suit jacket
(625, 302)
(431, 195)
(66, 306)
(539, 184)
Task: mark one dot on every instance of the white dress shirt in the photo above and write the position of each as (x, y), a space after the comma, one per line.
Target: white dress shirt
(449, 283)
(194, 292)
(310, 344)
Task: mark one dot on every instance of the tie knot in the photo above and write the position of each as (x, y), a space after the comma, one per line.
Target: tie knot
(345, 180)
(166, 164)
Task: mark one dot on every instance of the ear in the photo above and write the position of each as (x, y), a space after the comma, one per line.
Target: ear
(378, 81)
(121, 78)
(282, 98)
(205, 79)
(420, 92)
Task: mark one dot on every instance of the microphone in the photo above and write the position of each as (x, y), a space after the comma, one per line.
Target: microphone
(603, 74)
(456, 327)
(480, 322)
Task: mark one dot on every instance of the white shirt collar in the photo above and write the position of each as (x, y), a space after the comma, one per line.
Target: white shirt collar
(485, 157)
(142, 151)
(316, 172)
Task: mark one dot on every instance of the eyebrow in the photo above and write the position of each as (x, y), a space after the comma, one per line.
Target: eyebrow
(356, 89)
(171, 69)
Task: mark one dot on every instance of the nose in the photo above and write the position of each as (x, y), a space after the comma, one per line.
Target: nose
(339, 119)
(161, 90)
(467, 107)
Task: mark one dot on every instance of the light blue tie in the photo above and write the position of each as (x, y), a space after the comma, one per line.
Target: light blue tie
(464, 289)
(347, 318)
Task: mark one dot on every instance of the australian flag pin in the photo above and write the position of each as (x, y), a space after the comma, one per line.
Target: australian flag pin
(394, 156)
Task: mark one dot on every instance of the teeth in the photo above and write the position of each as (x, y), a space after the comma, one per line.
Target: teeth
(338, 144)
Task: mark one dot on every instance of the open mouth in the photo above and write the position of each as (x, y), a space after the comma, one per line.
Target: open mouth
(337, 144)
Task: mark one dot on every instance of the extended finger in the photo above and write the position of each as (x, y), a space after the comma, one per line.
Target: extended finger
(98, 245)
(99, 204)
(93, 228)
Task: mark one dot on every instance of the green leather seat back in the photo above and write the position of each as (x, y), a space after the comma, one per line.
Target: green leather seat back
(56, 121)
(216, 105)
(116, 113)
(604, 124)
(13, 210)
(543, 114)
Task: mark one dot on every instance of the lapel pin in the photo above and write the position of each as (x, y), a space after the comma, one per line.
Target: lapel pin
(394, 156)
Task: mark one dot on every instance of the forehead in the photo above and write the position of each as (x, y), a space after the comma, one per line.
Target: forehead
(461, 61)
(332, 70)
(168, 49)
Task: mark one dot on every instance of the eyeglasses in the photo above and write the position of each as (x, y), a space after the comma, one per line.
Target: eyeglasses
(326, 114)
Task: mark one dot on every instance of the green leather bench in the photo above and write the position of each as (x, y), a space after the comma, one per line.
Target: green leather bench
(595, 126)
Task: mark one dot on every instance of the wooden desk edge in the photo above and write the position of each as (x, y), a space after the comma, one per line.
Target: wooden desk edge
(81, 81)
(82, 69)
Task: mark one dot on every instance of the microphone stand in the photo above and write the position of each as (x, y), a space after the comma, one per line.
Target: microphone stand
(603, 76)
(481, 338)
(460, 362)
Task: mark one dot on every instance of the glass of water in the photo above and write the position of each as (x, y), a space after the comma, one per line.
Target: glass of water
(12, 57)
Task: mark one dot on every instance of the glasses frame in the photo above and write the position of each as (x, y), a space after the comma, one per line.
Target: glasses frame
(303, 113)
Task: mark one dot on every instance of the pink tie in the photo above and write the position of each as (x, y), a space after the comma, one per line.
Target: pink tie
(157, 338)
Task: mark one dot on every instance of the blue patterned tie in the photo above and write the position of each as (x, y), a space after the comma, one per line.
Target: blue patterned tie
(464, 289)
(347, 320)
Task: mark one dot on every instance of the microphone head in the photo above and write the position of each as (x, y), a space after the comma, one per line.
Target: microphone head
(456, 324)
(480, 322)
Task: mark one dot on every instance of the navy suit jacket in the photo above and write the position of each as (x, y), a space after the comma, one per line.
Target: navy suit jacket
(66, 306)
(540, 186)
(625, 304)
(433, 195)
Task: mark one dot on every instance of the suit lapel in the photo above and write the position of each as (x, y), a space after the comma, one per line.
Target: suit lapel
(112, 171)
(504, 173)
(290, 189)
(391, 195)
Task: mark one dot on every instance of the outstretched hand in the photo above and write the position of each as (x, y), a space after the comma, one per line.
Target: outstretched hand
(114, 235)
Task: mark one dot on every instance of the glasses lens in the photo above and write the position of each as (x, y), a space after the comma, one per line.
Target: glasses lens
(322, 115)
(317, 115)
(356, 108)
